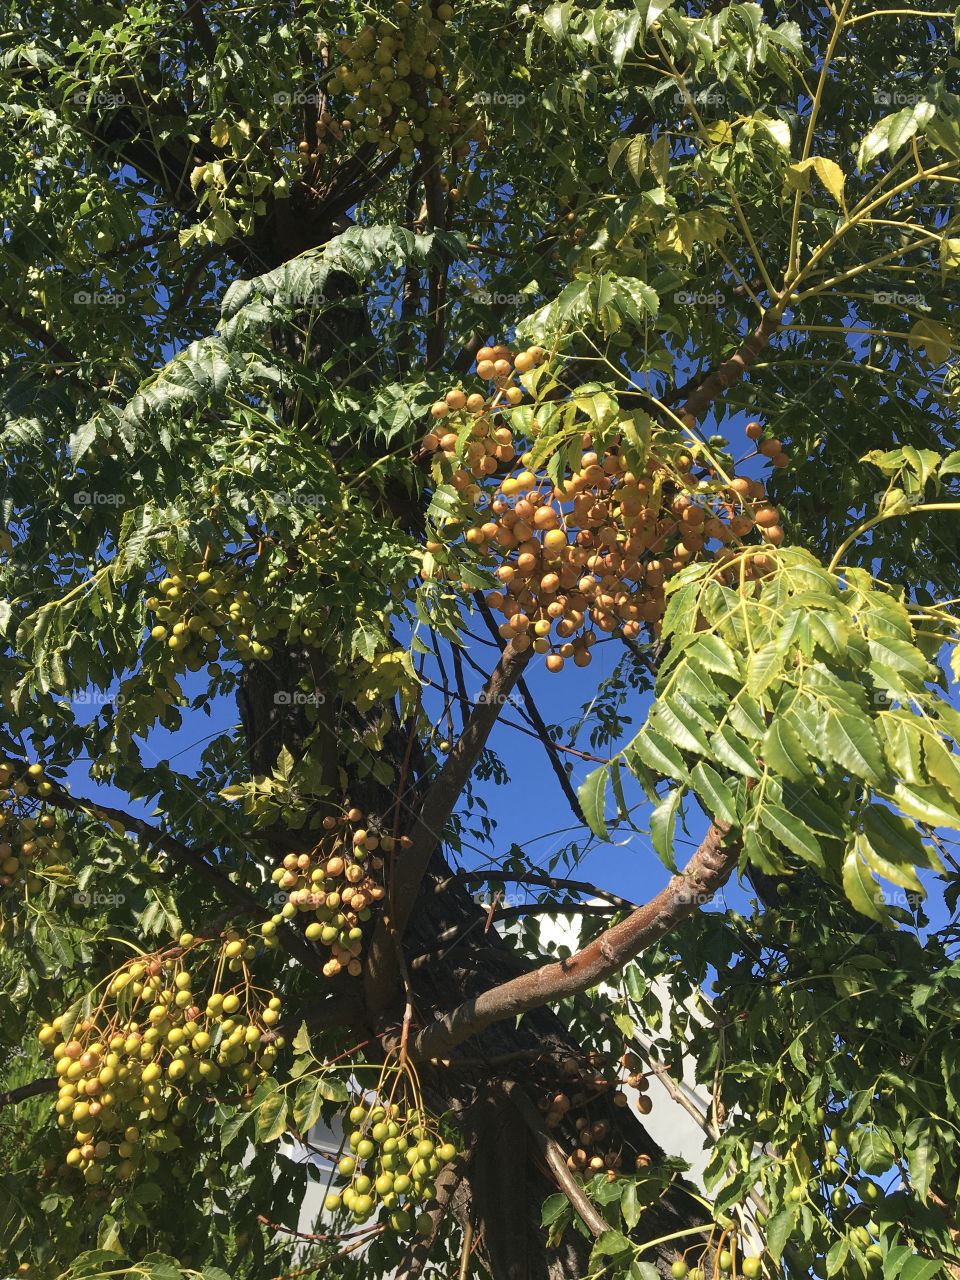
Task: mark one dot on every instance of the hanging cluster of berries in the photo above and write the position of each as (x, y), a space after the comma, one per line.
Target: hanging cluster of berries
(591, 550)
(32, 843)
(394, 72)
(585, 1085)
(185, 1018)
(32, 848)
(395, 1156)
(203, 608)
(336, 884)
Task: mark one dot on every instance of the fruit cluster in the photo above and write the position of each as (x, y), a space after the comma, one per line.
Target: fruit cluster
(31, 841)
(336, 883)
(130, 1065)
(394, 70)
(592, 547)
(200, 608)
(593, 1154)
(394, 1159)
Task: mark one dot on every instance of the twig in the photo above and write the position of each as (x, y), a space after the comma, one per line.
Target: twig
(554, 1157)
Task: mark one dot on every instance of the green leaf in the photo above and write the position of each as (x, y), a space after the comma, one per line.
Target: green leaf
(902, 874)
(713, 791)
(663, 820)
(849, 739)
(308, 1104)
(763, 668)
(731, 750)
(610, 1244)
(783, 751)
(159, 1266)
(553, 1208)
(629, 1204)
(780, 1228)
(713, 652)
(927, 804)
(897, 840)
(874, 1150)
(791, 832)
(861, 889)
(674, 719)
(659, 755)
(272, 1115)
(837, 1255)
(592, 794)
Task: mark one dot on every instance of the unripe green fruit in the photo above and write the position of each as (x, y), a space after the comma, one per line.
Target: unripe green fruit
(679, 1270)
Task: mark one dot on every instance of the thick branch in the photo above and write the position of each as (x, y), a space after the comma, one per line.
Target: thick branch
(427, 830)
(31, 1090)
(729, 373)
(704, 874)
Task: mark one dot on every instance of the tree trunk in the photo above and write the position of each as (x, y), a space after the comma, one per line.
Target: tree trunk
(452, 955)
(506, 1179)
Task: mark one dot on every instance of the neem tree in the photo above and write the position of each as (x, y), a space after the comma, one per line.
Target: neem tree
(333, 332)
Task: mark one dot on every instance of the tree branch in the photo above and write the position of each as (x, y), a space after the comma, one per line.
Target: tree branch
(536, 719)
(554, 1158)
(201, 28)
(541, 878)
(32, 1090)
(195, 859)
(427, 830)
(729, 373)
(708, 869)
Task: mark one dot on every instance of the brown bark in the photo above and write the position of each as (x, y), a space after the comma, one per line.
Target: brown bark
(729, 373)
(705, 873)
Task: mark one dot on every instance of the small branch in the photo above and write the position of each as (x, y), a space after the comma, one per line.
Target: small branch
(549, 882)
(555, 1160)
(195, 860)
(708, 869)
(32, 1090)
(555, 909)
(536, 719)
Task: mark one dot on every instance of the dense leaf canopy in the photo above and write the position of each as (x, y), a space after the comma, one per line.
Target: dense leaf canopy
(347, 347)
